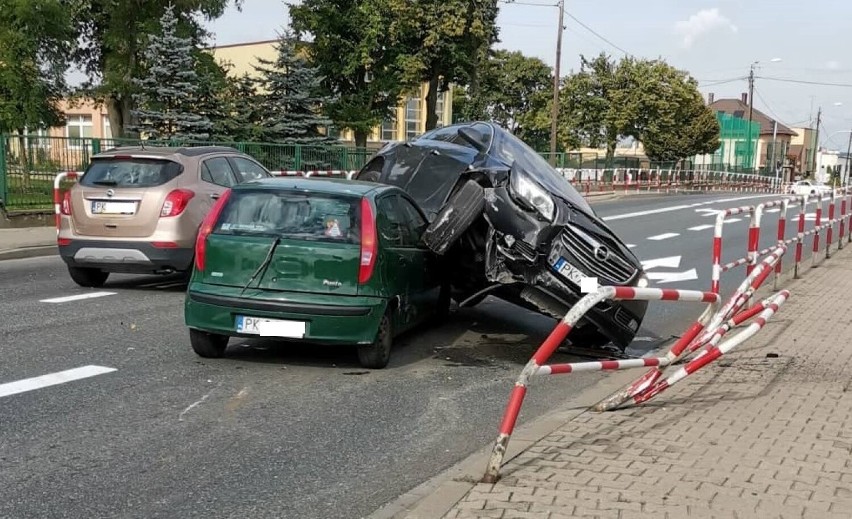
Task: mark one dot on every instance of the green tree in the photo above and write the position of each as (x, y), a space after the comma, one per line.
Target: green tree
(648, 100)
(112, 36)
(168, 97)
(357, 58)
(36, 37)
(444, 43)
(291, 95)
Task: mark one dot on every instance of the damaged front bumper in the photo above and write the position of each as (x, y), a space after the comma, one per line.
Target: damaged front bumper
(546, 261)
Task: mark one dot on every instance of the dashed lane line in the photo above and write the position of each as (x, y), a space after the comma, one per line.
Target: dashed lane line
(52, 379)
(664, 236)
(78, 297)
(700, 227)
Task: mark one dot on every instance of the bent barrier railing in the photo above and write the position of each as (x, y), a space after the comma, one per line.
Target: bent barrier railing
(643, 179)
(703, 339)
(756, 214)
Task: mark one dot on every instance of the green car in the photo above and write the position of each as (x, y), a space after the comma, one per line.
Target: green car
(321, 261)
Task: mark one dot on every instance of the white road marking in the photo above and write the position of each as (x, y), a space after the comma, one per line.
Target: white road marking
(732, 220)
(68, 299)
(672, 277)
(679, 207)
(51, 379)
(665, 236)
(774, 210)
(700, 227)
(671, 262)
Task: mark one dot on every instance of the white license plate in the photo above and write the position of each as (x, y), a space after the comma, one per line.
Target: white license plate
(105, 207)
(271, 327)
(566, 269)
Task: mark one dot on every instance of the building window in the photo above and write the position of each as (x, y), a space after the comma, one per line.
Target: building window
(37, 138)
(78, 128)
(389, 129)
(107, 128)
(412, 117)
(439, 108)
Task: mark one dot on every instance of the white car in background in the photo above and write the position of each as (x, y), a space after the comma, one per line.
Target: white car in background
(809, 187)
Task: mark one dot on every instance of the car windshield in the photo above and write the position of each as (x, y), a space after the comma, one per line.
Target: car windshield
(130, 172)
(515, 153)
(291, 214)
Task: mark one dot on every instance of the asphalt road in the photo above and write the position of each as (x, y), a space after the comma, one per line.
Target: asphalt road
(277, 431)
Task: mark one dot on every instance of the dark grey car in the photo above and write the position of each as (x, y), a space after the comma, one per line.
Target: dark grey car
(511, 226)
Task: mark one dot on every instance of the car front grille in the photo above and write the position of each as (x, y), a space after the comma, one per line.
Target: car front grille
(596, 258)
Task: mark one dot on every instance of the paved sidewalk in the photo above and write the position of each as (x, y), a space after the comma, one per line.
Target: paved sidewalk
(27, 242)
(752, 435)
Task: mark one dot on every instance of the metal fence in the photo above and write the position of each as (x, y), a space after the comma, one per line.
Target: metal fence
(29, 163)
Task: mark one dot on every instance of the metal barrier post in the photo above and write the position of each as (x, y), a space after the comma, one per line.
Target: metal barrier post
(800, 234)
(817, 229)
(830, 233)
(753, 238)
(782, 230)
(840, 231)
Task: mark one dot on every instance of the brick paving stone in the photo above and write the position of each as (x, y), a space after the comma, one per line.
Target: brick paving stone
(747, 436)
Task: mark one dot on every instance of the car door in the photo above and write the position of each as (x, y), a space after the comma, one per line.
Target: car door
(426, 272)
(400, 268)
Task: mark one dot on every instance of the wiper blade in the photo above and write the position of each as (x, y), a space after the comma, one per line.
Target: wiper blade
(264, 264)
(105, 182)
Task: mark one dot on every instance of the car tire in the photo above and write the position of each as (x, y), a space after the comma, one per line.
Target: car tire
(442, 312)
(376, 355)
(208, 345)
(455, 217)
(88, 277)
(588, 337)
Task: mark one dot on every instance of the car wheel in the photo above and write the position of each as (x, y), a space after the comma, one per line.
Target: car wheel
(455, 217)
(208, 345)
(442, 312)
(376, 355)
(88, 277)
(588, 337)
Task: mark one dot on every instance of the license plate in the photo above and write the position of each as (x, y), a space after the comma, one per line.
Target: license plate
(271, 327)
(567, 270)
(106, 207)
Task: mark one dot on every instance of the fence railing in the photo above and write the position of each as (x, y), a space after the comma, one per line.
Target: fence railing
(29, 163)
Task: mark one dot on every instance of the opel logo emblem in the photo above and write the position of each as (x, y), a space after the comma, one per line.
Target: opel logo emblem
(601, 253)
(110, 193)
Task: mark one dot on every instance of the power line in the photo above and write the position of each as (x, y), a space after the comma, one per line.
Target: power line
(611, 44)
(714, 82)
(526, 3)
(769, 108)
(804, 82)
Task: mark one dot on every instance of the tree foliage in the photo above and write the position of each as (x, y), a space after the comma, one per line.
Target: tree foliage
(168, 94)
(442, 43)
(357, 58)
(291, 95)
(112, 36)
(648, 100)
(36, 38)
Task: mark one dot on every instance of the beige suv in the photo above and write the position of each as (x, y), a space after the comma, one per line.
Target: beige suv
(137, 210)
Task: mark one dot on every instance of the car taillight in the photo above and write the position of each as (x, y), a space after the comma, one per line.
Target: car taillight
(369, 244)
(176, 202)
(66, 204)
(207, 227)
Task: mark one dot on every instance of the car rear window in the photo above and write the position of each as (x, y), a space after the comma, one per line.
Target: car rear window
(130, 172)
(293, 215)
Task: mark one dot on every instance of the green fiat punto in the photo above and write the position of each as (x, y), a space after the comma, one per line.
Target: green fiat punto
(321, 261)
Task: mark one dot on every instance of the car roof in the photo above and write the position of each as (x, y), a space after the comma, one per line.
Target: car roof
(336, 186)
(162, 151)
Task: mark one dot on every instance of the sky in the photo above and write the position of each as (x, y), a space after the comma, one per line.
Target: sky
(716, 41)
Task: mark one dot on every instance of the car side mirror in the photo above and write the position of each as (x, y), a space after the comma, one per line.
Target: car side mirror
(474, 138)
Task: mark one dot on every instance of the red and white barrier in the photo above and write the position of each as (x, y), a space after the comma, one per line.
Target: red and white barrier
(559, 333)
(348, 174)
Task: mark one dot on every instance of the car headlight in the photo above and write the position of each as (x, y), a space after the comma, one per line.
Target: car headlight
(532, 194)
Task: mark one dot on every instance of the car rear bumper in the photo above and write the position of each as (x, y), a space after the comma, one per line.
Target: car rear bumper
(347, 320)
(126, 256)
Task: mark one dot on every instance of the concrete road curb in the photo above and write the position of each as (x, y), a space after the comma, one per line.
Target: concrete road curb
(29, 252)
(437, 496)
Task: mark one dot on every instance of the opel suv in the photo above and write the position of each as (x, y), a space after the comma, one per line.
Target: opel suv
(137, 210)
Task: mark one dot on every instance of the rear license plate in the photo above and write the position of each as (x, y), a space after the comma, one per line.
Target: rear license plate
(107, 207)
(569, 271)
(271, 327)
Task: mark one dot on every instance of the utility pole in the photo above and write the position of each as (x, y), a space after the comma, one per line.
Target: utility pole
(848, 149)
(750, 110)
(773, 164)
(816, 142)
(555, 111)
